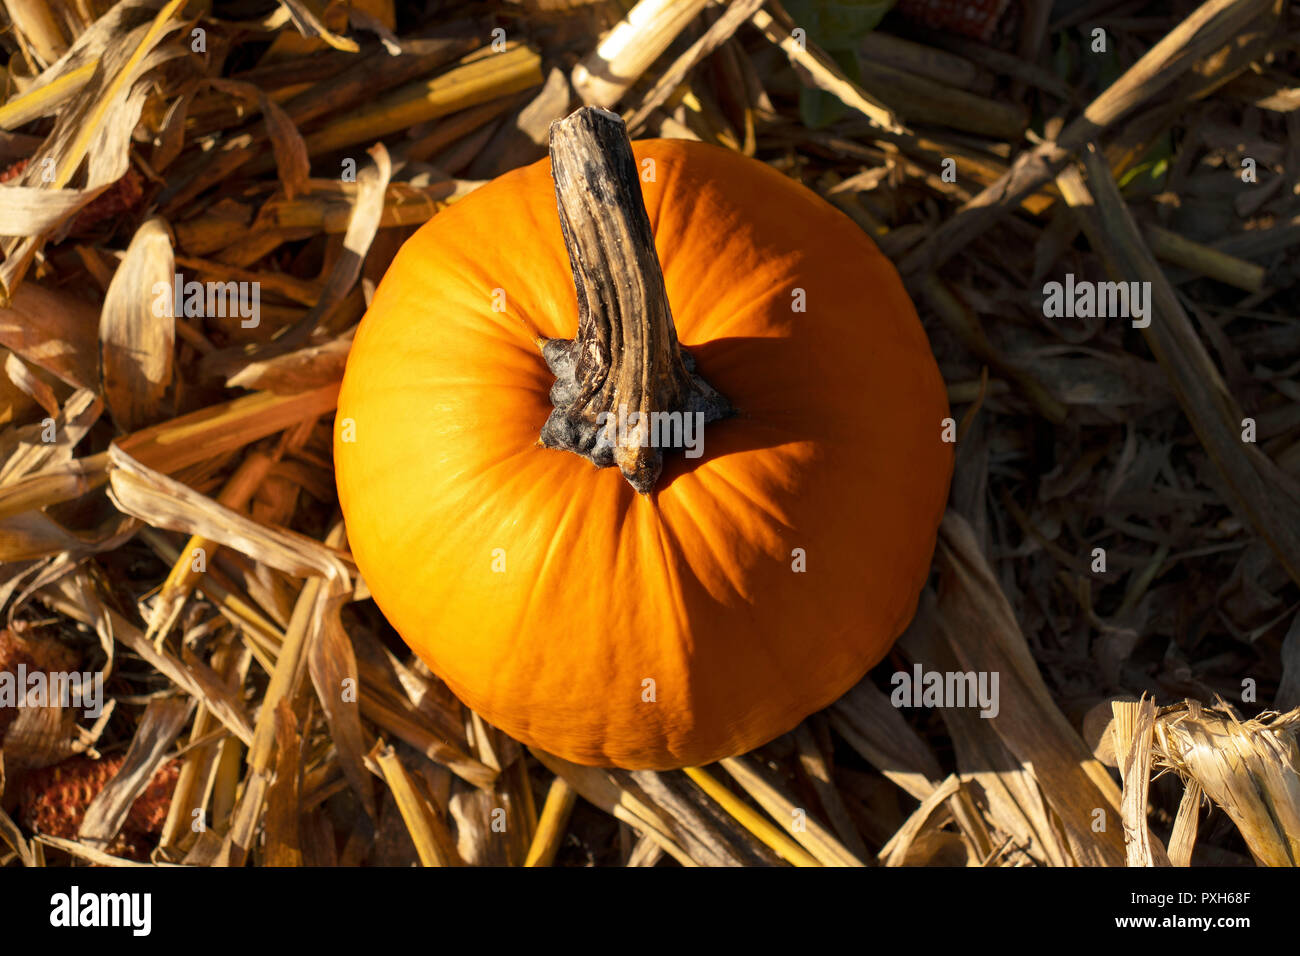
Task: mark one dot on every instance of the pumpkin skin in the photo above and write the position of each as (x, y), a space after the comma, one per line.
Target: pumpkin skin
(836, 449)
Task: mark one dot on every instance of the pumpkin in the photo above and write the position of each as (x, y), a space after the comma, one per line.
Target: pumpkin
(601, 591)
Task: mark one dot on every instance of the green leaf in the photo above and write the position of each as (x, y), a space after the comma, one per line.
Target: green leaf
(838, 24)
(1146, 176)
(1064, 58)
(1111, 68)
(817, 108)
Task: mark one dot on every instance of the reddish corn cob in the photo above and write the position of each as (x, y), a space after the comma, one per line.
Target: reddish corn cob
(977, 19)
(120, 197)
(33, 654)
(54, 801)
(13, 171)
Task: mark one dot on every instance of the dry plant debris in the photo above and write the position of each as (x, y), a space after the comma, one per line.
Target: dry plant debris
(1123, 529)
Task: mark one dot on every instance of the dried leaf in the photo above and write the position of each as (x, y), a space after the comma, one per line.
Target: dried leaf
(137, 329)
(162, 721)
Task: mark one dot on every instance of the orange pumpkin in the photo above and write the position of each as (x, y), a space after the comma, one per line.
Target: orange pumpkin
(753, 584)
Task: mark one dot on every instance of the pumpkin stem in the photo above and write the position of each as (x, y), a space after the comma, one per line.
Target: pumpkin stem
(624, 387)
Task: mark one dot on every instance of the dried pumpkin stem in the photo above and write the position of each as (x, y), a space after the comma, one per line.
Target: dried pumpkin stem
(623, 387)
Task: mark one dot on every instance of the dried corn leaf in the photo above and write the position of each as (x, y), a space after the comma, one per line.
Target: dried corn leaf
(27, 382)
(429, 832)
(162, 721)
(309, 18)
(40, 737)
(32, 452)
(986, 638)
(290, 152)
(311, 367)
(874, 728)
(599, 788)
(75, 597)
(13, 837)
(137, 337)
(97, 128)
(1133, 728)
(1249, 768)
(333, 667)
(629, 49)
(230, 663)
(63, 78)
(480, 77)
(1268, 497)
(794, 820)
(55, 330)
(92, 855)
(281, 823)
(700, 825)
(164, 502)
(894, 853)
